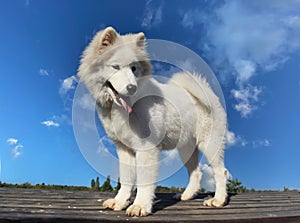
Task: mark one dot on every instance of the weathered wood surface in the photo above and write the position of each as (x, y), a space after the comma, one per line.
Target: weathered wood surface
(24, 205)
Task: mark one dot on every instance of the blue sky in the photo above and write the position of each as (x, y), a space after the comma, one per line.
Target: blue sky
(252, 46)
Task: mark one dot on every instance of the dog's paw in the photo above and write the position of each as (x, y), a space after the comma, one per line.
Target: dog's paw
(137, 210)
(213, 202)
(114, 204)
(185, 196)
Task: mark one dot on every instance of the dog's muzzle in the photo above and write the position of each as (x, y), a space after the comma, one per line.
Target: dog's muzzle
(117, 98)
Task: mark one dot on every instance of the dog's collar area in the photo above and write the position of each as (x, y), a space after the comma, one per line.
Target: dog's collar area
(118, 99)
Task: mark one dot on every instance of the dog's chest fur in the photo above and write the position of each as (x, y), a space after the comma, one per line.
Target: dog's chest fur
(153, 119)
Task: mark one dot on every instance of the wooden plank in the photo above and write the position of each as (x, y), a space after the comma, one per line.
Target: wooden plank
(22, 205)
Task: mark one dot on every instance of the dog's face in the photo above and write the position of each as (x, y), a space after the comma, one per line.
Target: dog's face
(111, 65)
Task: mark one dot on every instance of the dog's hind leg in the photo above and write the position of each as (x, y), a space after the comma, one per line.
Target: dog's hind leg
(216, 160)
(192, 166)
(127, 172)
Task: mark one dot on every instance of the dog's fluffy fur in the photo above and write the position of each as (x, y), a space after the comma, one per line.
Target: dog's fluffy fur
(143, 116)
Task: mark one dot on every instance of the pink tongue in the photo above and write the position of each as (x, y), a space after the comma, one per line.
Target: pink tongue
(125, 106)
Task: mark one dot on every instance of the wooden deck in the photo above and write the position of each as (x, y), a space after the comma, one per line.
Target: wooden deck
(24, 205)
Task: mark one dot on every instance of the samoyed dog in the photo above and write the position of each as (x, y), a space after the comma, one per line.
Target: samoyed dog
(143, 115)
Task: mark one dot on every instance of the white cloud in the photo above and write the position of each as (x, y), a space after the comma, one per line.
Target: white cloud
(261, 143)
(104, 143)
(191, 18)
(27, 3)
(12, 141)
(43, 72)
(68, 84)
(292, 21)
(102, 150)
(237, 140)
(234, 140)
(152, 14)
(231, 138)
(245, 70)
(67, 91)
(165, 70)
(62, 119)
(50, 123)
(16, 151)
(187, 65)
(244, 37)
(86, 102)
(168, 156)
(17, 147)
(247, 98)
(208, 180)
(255, 32)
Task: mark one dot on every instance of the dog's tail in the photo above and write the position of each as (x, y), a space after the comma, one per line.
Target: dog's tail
(198, 87)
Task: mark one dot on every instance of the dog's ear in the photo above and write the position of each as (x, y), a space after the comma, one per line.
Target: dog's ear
(108, 37)
(140, 39)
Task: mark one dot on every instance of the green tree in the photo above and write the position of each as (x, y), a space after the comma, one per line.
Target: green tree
(235, 186)
(26, 185)
(162, 189)
(93, 184)
(117, 188)
(97, 184)
(106, 185)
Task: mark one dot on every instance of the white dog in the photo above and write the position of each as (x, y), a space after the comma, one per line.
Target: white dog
(143, 115)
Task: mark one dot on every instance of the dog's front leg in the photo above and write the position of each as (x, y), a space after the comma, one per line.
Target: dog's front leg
(147, 164)
(127, 172)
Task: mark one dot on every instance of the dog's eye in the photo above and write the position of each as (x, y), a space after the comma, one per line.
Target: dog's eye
(115, 66)
(133, 69)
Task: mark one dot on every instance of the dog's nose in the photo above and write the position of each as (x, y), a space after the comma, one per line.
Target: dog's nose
(131, 89)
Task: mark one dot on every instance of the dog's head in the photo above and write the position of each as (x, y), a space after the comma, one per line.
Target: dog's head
(111, 66)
